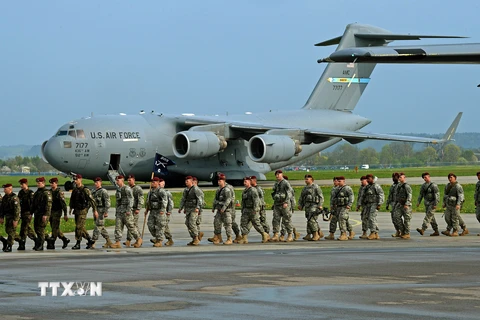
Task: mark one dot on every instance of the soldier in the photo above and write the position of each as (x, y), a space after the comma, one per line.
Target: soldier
(392, 202)
(168, 234)
(138, 202)
(293, 204)
(263, 213)
(403, 207)
(343, 201)
(41, 207)
(429, 191)
(80, 200)
(58, 206)
(102, 199)
(199, 217)
(235, 227)
(223, 204)
(452, 202)
(2, 239)
(25, 195)
(157, 202)
(372, 198)
(281, 207)
(333, 217)
(190, 204)
(250, 212)
(311, 200)
(476, 198)
(10, 214)
(361, 205)
(124, 214)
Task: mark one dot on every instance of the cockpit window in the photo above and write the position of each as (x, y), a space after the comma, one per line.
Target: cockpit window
(62, 133)
(72, 133)
(80, 134)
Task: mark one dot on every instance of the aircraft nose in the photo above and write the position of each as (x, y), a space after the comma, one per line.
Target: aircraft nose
(48, 152)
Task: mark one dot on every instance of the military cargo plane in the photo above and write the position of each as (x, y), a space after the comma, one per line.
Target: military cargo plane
(174, 146)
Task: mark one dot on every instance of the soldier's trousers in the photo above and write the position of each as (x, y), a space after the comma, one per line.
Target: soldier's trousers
(371, 216)
(224, 218)
(249, 218)
(168, 235)
(100, 227)
(342, 214)
(335, 220)
(26, 228)
(477, 212)
(364, 218)
(39, 226)
(263, 220)
(429, 218)
(123, 219)
(191, 222)
(392, 215)
(55, 218)
(280, 213)
(156, 224)
(452, 218)
(402, 218)
(460, 221)
(235, 227)
(312, 224)
(199, 220)
(10, 230)
(80, 218)
(135, 222)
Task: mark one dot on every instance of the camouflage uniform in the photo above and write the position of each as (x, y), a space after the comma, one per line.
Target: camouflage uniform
(124, 214)
(453, 196)
(334, 193)
(431, 194)
(250, 210)
(191, 201)
(168, 234)
(311, 199)
(10, 212)
(102, 199)
(476, 198)
(372, 197)
(392, 203)
(200, 211)
(80, 200)
(58, 206)
(157, 202)
(138, 202)
(224, 201)
(344, 198)
(235, 228)
(281, 195)
(402, 215)
(293, 204)
(41, 206)
(26, 199)
(363, 212)
(263, 213)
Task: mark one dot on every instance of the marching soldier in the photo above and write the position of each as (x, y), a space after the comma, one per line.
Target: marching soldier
(430, 193)
(250, 212)
(452, 202)
(223, 204)
(403, 207)
(58, 206)
(476, 198)
(102, 199)
(25, 195)
(373, 198)
(333, 217)
(138, 202)
(157, 202)
(392, 202)
(263, 213)
(293, 204)
(124, 214)
(168, 234)
(10, 214)
(235, 227)
(311, 200)
(190, 204)
(199, 217)
(80, 200)
(343, 201)
(360, 205)
(281, 207)
(2, 239)
(42, 208)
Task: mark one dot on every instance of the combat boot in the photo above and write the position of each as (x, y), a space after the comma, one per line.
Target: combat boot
(265, 237)
(343, 236)
(215, 237)
(465, 231)
(290, 238)
(364, 235)
(66, 241)
(21, 245)
(238, 237)
(138, 243)
(169, 242)
(397, 234)
(51, 243)
(308, 237)
(435, 233)
(77, 245)
(320, 233)
(127, 244)
(158, 244)
(107, 244)
(116, 245)
(200, 236)
(274, 238)
(90, 243)
(281, 238)
(244, 240)
(8, 248)
(454, 233)
(297, 234)
(372, 236)
(446, 232)
(229, 241)
(405, 236)
(421, 231)
(331, 236)
(351, 234)
(4, 242)
(377, 236)
(316, 236)
(219, 239)
(39, 245)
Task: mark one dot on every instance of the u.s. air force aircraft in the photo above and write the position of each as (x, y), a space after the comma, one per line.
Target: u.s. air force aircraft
(252, 143)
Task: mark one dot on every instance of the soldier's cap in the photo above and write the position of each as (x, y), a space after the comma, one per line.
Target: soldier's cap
(335, 178)
(160, 180)
(341, 178)
(155, 179)
(8, 185)
(41, 179)
(285, 177)
(77, 176)
(194, 178)
(401, 174)
(478, 173)
(23, 181)
(278, 171)
(53, 180)
(247, 178)
(188, 178)
(396, 175)
(131, 176)
(425, 174)
(253, 177)
(221, 176)
(119, 177)
(308, 176)
(363, 178)
(369, 176)
(451, 174)
(97, 179)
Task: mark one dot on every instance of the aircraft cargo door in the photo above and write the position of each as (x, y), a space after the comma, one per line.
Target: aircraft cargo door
(114, 161)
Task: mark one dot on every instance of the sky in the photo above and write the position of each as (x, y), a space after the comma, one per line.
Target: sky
(63, 60)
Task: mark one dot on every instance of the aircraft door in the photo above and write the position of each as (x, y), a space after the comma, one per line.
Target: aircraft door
(114, 161)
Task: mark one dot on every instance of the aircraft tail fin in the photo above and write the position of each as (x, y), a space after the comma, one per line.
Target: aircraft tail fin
(450, 133)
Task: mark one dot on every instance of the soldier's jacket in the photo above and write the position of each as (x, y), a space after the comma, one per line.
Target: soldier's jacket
(250, 199)
(124, 197)
(343, 197)
(58, 201)
(191, 198)
(476, 196)
(157, 199)
(261, 195)
(404, 194)
(311, 195)
(42, 202)
(81, 199)
(223, 198)
(102, 199)
(232, 190)
(170, 201)
(10, 206)
(372, 193)
(293, 201)
(392, 195)
(453, 195)
(26, 199)
(202, 199)
(360, 196)
(429, 192)
(333, 193)
(281, 192)
(138, 200)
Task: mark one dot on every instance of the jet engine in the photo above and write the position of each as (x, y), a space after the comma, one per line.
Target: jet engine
(270, 148)
(197, 144)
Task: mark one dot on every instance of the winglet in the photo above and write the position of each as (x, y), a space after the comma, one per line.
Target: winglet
(450, 133)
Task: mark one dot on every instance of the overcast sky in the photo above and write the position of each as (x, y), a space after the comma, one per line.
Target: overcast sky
(63, 60)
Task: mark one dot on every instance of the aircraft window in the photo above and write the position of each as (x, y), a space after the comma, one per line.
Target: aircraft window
(80, 134)
(72, 133)
(62, 133)
(67, 144)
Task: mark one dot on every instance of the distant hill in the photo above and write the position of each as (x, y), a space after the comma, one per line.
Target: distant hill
(8, 152)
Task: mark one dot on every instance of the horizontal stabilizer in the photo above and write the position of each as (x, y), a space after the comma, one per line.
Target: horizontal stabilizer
(393, 37)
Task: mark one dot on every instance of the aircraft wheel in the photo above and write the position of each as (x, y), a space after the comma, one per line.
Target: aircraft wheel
(68, 185)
